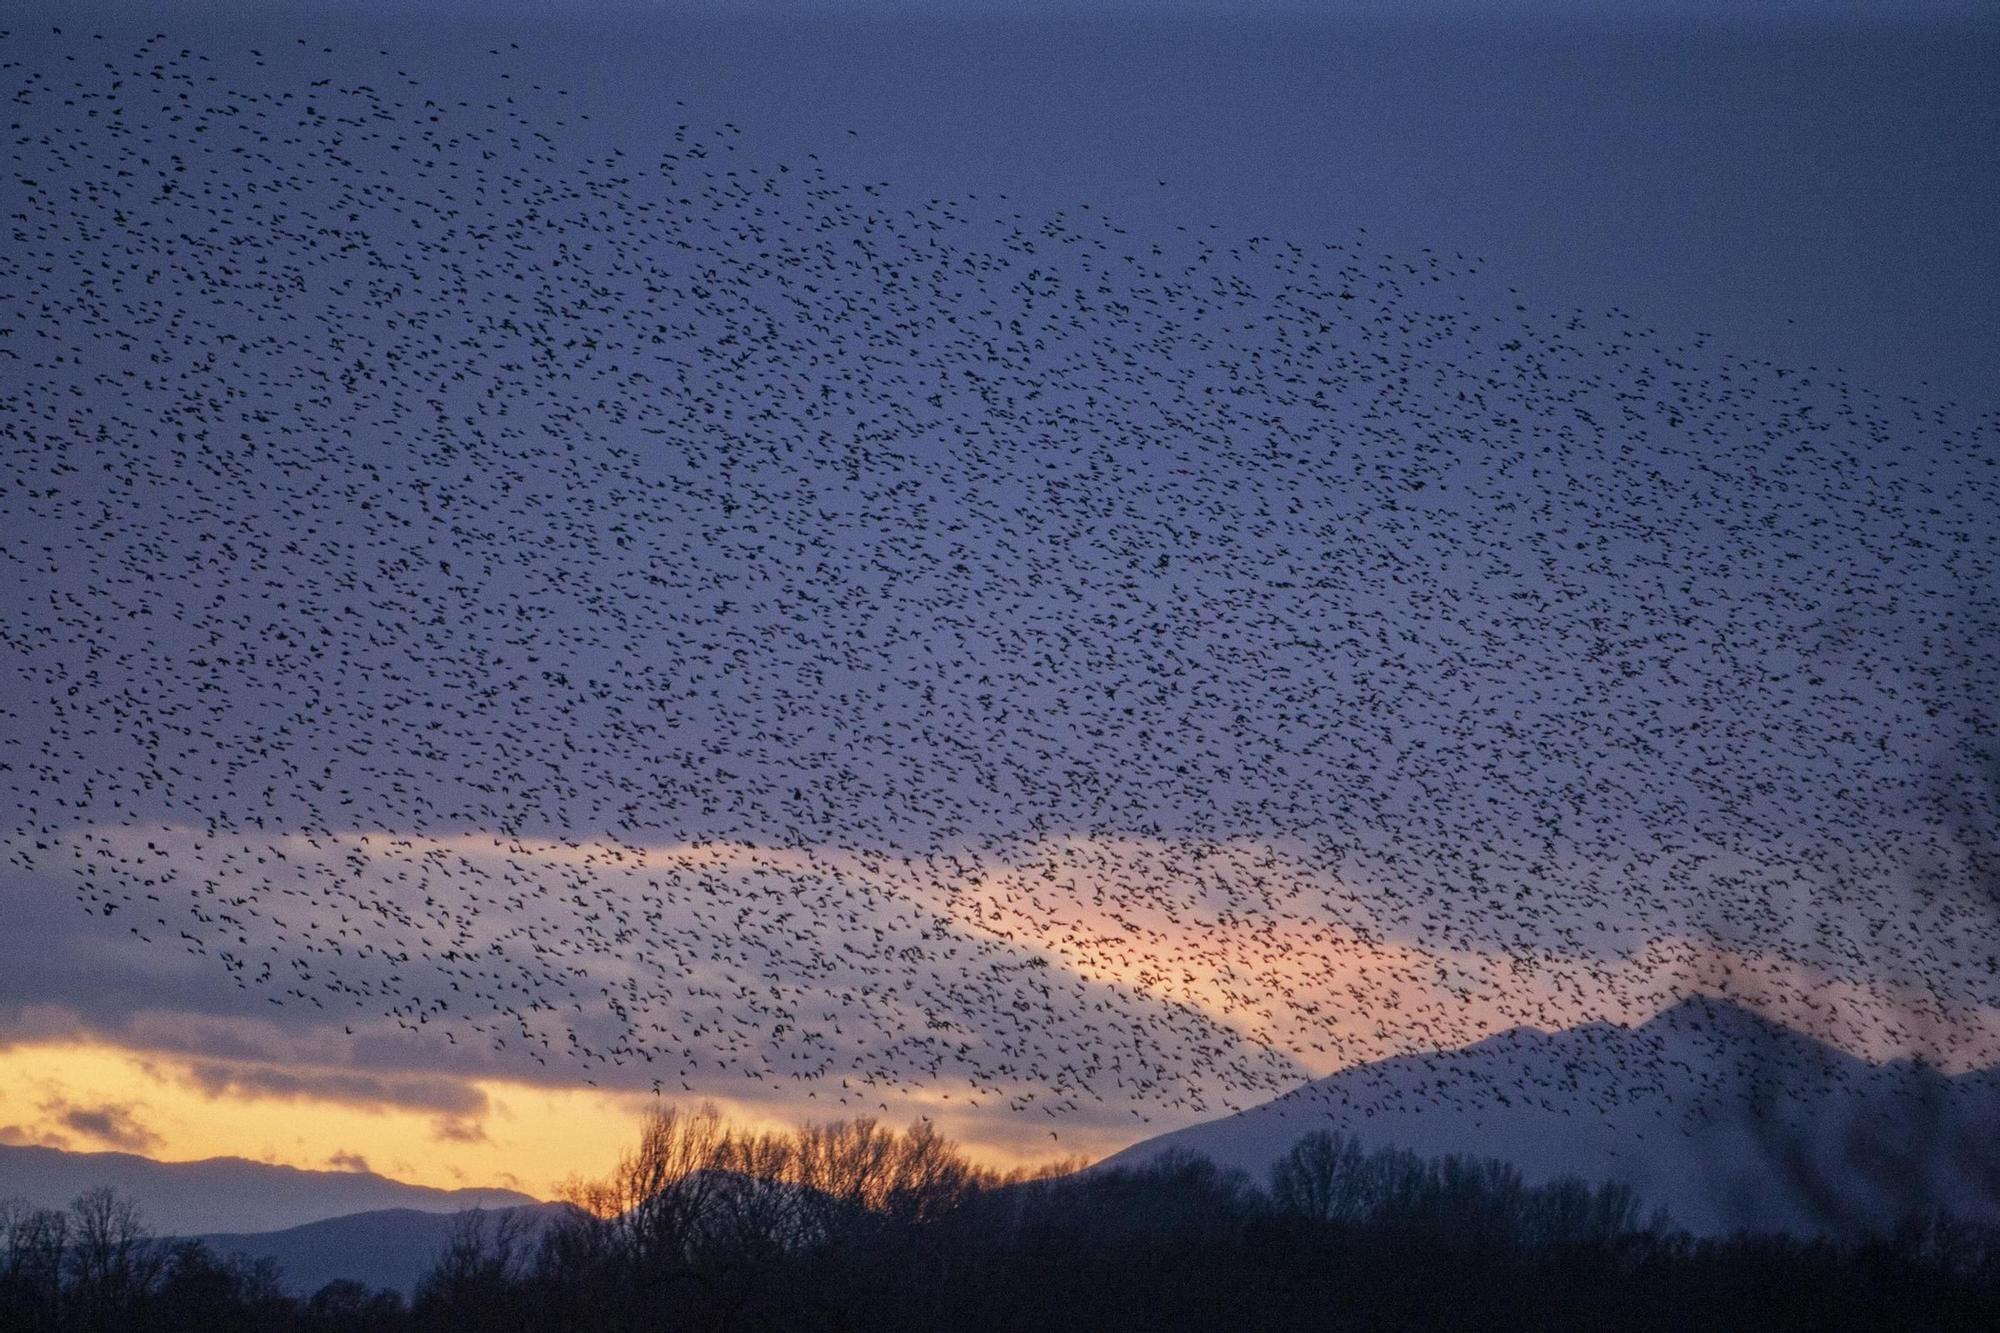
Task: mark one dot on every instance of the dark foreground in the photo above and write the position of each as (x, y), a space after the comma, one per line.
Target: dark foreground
(856, 1227)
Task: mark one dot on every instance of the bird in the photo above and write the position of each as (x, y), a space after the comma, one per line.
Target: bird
(620, 598)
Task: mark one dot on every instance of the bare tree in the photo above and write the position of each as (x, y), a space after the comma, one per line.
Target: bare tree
(845, 1168)
(1322, 1177)
(111, 1262)
(657, 1202)
(927, 1176)
(36, 1251)
(472, 1285)
(757, 1208)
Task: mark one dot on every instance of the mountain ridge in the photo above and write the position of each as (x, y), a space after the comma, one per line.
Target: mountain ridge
(226, 1195)
(1709, 1109)
(390, 1247)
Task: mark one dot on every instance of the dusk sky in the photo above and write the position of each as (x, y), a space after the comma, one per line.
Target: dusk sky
(1065, 573)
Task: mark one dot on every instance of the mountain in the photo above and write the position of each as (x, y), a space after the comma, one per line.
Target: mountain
(392, 1247)
(1717, 1114)
(225, 1194)
(395, 1247)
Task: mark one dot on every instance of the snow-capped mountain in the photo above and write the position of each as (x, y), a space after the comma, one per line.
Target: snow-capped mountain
(1713, 1112)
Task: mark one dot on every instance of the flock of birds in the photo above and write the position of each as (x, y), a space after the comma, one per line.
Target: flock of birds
(624, 605)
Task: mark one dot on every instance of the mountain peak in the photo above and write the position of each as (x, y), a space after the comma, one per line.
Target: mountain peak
(1697, 1108)
(1704, 1011)
(1736, 1024)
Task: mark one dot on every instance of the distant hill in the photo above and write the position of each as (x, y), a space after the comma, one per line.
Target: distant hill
(225, 1194)
(1719, 1115)
(390, 1248)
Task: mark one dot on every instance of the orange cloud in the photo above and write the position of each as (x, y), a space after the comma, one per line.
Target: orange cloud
(530, 1137)
(1273, 950)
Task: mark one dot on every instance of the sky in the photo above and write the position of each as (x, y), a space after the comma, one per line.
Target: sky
(428, 740)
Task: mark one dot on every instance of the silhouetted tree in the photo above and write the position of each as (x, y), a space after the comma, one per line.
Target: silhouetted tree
(1322, 1177)
(855, 1226)
(346, 1306)
(472, 1285)
(36, 1255)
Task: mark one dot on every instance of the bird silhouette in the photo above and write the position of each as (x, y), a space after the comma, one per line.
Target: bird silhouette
(641, 609)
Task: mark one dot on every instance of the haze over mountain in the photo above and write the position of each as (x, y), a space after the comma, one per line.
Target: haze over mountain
(392, 1247)
(224, 1194)
(1713, 1112)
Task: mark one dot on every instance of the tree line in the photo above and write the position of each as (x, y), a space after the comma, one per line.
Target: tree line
(855, 1226)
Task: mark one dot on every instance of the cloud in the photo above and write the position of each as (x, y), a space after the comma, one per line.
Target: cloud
(113, 1124)
(19, 1136)
(450, 1096)
(348, 1161)
(1275, 961)
(459, 1131)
